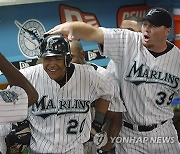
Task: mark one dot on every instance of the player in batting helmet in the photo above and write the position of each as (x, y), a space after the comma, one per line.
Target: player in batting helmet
(55, 45)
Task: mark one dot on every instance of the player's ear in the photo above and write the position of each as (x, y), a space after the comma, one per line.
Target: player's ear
(168, 31)
(39, 60)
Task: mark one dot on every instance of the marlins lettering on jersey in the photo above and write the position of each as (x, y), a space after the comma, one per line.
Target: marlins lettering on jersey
(143, 73)
(63, 107)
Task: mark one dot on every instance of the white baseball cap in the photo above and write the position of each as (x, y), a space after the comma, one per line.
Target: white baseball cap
(13, 105)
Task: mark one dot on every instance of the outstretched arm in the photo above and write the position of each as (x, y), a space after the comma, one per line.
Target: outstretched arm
(79, 30)
(15, 77)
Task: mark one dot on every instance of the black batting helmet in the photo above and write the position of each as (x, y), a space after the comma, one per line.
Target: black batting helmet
(54, 45)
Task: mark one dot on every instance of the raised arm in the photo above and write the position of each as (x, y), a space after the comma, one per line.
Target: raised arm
(79, 30)
(16, 78)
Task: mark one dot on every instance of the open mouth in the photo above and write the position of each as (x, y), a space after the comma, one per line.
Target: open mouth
(146, 38)
(52, 70)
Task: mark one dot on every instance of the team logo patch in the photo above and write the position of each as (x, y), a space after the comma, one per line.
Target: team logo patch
(9, 96)
(151, 12)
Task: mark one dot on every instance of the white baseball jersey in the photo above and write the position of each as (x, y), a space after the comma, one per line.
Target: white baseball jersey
(143, 78)
(148, 85)
(13, 105)
(115, 105)
(111, 67)
(59, 117)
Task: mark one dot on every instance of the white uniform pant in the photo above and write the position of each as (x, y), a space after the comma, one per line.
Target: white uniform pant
(161, 140)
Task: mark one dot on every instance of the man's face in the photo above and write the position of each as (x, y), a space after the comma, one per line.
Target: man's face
(77, 55)
(55, 67)
(131, 25)
(154, 36)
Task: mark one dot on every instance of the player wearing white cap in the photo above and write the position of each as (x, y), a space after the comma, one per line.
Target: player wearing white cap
(14, 102)
(149, 76)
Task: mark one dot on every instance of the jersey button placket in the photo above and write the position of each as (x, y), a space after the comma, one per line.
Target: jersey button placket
(56, 136)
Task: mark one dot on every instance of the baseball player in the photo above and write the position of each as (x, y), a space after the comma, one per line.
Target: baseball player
(60, 120)
(114, 112)
(149, 76)
(134, 23)
(14, 102)
(15, 78)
